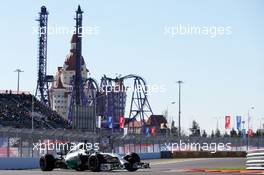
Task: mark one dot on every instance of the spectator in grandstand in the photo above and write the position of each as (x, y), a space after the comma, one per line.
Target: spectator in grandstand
(15, 111)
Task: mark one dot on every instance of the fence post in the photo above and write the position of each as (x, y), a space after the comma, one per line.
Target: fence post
(20, 146)
(159, 150)
(129, 145)
(134, 145)
(30, 146)
(123, 141)
(8, 147)
(261, 140)
(153, 142)
(140, 142)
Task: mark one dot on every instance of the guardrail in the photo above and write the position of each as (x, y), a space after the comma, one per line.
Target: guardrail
(255, 159)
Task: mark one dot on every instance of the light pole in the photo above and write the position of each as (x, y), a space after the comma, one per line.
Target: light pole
(249, 118)
(32, 112)
(18, 78)
(179, 82)
(249, 126)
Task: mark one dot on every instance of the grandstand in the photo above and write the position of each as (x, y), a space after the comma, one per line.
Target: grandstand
(16, 111)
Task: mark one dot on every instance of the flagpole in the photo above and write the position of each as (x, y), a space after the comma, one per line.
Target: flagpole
(248, 127)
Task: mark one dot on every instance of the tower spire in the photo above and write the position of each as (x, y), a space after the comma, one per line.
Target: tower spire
(78, 82)
(79, 8)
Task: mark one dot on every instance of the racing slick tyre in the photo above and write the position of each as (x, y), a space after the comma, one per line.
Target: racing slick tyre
(94, 162)
(132, 158)
(82, 162)
(47, 162)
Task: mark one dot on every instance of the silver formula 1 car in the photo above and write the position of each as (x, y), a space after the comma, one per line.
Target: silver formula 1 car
(82, 159)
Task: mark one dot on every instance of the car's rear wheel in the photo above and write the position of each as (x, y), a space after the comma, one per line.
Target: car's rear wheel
(132, 159)
(47, 162)
(94, 162)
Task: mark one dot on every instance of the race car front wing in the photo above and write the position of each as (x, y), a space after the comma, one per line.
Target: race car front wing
(118, 166)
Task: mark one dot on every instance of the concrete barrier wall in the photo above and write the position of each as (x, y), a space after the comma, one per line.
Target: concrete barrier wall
(207, 154)
(144, 156)
(9, 163)
(14, 163)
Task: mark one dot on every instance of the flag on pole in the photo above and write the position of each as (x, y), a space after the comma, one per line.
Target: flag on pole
(110, 122)
(238, 121)
(227, 122)
(121, 121)
(147, 131)
(98, 122)
(250, 132)
(152, 131)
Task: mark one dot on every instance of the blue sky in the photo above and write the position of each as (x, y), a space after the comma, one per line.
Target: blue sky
(222, 75)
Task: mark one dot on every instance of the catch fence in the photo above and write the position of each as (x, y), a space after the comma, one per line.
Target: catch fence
(32, 143)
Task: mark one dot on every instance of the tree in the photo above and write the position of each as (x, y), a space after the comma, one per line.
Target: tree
(226, 135)
(195, 130)
(233, 133)
(174, 129)
(173, 124)
(212, 134)
(165, 113)
(239, 134)
(204, 134)
(217, 133)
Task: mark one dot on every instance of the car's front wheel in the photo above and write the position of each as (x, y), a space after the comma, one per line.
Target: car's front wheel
(47, 162)
(132, 159)
(94, 163)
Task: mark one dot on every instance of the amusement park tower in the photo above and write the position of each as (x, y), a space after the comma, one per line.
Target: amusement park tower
(70, 95)
(42, 90)
(81, 113)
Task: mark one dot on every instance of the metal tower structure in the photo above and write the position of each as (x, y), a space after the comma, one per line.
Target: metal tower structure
(140, 109)
(42, 90)
(92, 91)
(78, 81)
(109, 104)
(78, 99)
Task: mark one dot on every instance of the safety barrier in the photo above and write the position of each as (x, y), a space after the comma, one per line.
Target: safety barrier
(255, 159)
(15, 163)
(166, 155)
(144, 156)
(207, 154)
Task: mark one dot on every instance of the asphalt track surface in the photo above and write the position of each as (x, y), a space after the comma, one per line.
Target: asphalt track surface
(158, 167)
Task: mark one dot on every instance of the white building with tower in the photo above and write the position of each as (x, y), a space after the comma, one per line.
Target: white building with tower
(62, 86)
